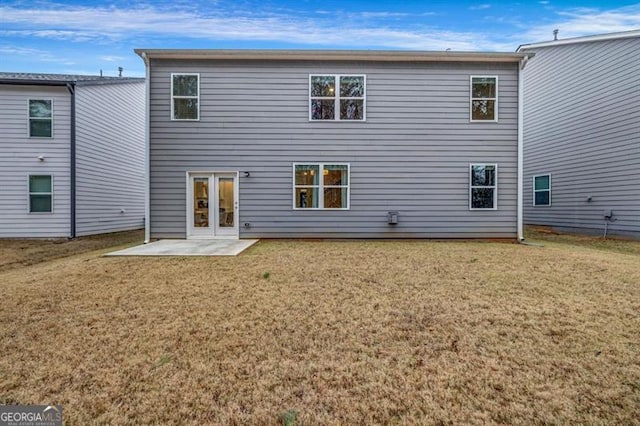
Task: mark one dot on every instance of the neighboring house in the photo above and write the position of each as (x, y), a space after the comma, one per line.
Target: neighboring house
(582, 134)
(72, 160)
(336, 144)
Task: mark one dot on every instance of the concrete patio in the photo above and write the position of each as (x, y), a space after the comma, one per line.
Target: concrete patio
(187, 248)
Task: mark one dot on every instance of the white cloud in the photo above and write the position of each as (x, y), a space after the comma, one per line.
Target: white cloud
(111, 58)
(581, 22)
(480, 6)
(95, 23)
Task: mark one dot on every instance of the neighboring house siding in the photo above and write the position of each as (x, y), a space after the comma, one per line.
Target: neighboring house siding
(582, 125)
(412, 155)
(19, 158)
(110, 157)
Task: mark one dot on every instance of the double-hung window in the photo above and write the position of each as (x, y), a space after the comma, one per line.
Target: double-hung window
(40, 194)
(484, 98)
(40, 118)
(542, 190)
(321, 186)
(483, 191)
(185, 97)
(337, 97)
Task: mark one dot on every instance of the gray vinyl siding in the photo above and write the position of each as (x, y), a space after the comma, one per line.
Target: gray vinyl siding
(412, 155)
(582, 125)
(110, 169)
(19, 158)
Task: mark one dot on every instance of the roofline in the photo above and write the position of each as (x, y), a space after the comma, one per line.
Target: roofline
(585, 39)
(30, 82)
(27, 82)
(331, 55)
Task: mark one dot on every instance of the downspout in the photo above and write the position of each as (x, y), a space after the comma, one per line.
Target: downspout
(520, 207)
(147, 150)
(71, 87)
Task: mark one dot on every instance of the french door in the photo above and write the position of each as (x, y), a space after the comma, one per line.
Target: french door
(212, 205)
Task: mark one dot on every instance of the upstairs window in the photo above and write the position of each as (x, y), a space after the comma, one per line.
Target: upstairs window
(321, 186)
(40, 118)
(40, 194)
(337, 97)
(483, 191)
(484, 98)
(542, 190)
(185, 97)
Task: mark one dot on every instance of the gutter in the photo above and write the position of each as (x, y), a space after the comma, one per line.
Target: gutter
(71, 87)
(147, 151)
(520, 207)
(329, 55)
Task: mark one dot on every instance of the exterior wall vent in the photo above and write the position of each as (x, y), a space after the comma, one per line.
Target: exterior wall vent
(392, 218)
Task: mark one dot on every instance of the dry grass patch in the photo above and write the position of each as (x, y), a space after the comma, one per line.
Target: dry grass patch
(15, 253)
(617, 244)
(329, 333)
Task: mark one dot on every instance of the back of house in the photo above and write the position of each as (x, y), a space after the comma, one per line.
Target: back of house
(72, 160)
(582, 134)
(332, 144)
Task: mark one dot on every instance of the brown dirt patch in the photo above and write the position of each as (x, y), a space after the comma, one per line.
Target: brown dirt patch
(15, 253)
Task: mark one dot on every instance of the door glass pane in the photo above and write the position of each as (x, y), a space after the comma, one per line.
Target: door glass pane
(226, 202)
(201, 202)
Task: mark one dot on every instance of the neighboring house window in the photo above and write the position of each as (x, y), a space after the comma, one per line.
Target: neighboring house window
(542, 190)
(337, 97)
(40, 194)
(40, 118)
(185, 96)
(484, 98)
(321, 186)
(483, 193)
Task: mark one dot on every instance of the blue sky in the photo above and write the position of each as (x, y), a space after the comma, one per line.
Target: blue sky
(84, 37)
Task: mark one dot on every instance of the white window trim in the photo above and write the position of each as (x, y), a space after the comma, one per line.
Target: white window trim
(184, 97)
(321, 186)
(471, 187)
(336, 98)
(29, 118)
(29, 193)
(471, 99)
(541, 190)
